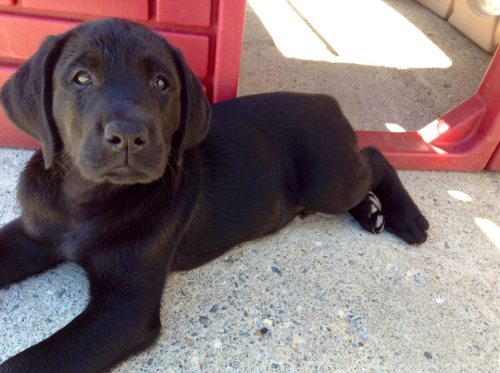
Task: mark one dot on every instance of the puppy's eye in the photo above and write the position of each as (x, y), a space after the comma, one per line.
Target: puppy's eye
(160, 83)
(82, 77)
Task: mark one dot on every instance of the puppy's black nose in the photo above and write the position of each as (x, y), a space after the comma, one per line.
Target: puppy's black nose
(126, 136)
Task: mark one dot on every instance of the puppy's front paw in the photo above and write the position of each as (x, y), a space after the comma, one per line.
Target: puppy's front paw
(368, 213)
(408, 223)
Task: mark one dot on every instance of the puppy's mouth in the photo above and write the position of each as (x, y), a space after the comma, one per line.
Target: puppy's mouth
(101, 165)
(126, 175)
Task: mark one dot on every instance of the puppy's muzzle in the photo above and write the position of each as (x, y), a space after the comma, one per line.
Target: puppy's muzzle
(122, 136)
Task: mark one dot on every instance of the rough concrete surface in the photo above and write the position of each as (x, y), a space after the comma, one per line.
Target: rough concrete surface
(322, 295)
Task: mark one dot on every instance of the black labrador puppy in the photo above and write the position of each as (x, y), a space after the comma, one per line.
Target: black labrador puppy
(139, 176)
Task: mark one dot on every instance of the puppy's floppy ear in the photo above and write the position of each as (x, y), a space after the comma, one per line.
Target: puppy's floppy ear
(27, 96)
(195, 108)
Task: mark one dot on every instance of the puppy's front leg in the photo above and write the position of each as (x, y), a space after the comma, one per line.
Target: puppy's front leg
(21, 255)
(121, 318)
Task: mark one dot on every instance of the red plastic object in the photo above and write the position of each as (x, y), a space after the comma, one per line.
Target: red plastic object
(209, 32)
(33, 31)
(464, 139)
(133, 9)
(184, 12)
(494, 163)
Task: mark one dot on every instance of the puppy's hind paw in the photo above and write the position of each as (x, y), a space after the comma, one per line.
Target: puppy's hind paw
(368, 213)
(408, 224)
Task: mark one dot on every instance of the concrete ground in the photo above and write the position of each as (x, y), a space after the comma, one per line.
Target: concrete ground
(322, 295)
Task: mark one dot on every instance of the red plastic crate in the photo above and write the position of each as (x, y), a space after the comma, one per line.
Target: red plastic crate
(494, 162)
(464, 139)
(209, 32)
(133, 9)
(184, 12)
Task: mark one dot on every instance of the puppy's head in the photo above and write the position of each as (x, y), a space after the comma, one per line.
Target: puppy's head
(114, 96)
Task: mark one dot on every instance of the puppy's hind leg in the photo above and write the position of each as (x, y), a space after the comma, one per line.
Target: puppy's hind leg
(368, 213)
(401, 214)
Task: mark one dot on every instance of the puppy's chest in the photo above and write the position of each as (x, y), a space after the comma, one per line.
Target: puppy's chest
(88, 230)
(45, 217)
(81, 240)
(71, 225)
(95, 228)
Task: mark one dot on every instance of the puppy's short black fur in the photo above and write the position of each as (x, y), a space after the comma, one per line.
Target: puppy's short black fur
(131, 183)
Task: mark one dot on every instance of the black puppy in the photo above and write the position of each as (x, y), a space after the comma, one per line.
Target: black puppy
(131, 183)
